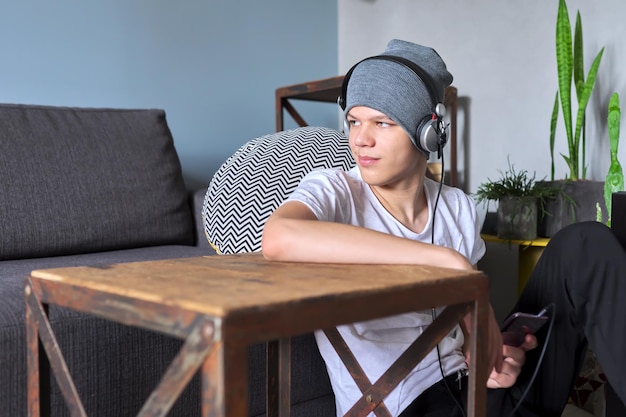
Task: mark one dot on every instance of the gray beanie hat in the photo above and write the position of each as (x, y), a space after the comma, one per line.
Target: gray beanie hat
(397, 91)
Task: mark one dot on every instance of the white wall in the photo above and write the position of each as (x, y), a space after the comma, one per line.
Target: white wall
(502, 56)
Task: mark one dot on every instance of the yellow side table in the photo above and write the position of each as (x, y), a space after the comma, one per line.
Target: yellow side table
(529, 253)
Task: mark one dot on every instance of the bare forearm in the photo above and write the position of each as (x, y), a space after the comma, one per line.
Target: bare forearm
(315, 241)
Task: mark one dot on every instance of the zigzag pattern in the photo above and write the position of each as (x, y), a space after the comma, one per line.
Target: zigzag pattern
(253, 182)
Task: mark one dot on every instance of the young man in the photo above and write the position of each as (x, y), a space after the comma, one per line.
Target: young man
(386, 210)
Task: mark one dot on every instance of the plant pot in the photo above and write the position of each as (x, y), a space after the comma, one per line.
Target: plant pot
(517, 218)
(575, 202)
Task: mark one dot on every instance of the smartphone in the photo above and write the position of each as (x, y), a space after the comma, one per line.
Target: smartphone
(518, 325)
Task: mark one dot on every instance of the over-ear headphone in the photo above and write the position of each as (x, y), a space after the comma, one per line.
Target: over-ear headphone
(431, 131)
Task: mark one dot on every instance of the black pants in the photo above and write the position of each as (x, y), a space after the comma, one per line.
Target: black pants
(583, 272)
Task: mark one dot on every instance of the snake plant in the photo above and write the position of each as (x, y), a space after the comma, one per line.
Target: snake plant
(615, 177)
(570, 68)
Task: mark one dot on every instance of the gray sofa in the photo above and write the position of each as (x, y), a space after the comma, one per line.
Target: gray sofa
(85, 186)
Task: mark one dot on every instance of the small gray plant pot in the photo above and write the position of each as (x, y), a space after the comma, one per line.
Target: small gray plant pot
(517, 218)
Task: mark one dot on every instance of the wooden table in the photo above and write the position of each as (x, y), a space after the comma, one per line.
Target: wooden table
(221, 304)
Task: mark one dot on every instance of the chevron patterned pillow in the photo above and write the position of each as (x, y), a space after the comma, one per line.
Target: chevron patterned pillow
(257, 178)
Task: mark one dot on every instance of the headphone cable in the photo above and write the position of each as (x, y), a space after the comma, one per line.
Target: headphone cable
(432, 230)
(433, 312)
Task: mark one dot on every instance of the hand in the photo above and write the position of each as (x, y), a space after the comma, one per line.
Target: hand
(511, 366)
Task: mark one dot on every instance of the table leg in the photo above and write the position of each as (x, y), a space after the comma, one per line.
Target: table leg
(278, 378)
(212, 382)
(477, 379)
(39, 318)
(222, 396)
(37, 365)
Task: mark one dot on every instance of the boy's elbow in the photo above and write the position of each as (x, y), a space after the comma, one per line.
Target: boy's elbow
(271, 244)
(282, 239)
(268, 249)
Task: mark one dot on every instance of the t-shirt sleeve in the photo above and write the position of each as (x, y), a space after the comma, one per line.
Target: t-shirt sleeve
(472, 233)
(325, 192)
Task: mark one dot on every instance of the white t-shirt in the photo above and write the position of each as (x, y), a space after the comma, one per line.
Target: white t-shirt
(343, 197)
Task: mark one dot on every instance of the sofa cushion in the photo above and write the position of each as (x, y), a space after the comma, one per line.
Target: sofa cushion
(78, 180)
(253, 182)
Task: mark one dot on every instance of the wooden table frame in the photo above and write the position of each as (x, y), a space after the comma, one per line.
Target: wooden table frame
(281, 300)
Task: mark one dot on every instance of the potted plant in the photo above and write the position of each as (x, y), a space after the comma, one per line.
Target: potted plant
(577, 205)
(519, 199)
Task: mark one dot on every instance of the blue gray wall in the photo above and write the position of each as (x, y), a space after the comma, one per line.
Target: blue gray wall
(213, 65)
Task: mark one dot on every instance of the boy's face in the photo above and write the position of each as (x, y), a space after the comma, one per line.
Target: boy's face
(383, 151)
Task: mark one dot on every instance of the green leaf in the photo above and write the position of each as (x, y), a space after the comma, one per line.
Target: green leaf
(555, 116)
(579, 71)
(564, 65)
(614, 182)
(582, 104)
(567, 160)
(615, 177)
(613, 120)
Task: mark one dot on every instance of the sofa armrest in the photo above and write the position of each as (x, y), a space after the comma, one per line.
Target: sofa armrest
(196, 201)
(618, 216)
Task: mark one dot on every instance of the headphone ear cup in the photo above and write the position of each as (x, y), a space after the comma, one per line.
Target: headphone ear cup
(431, 135)
(346, 126)
(428, 135)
